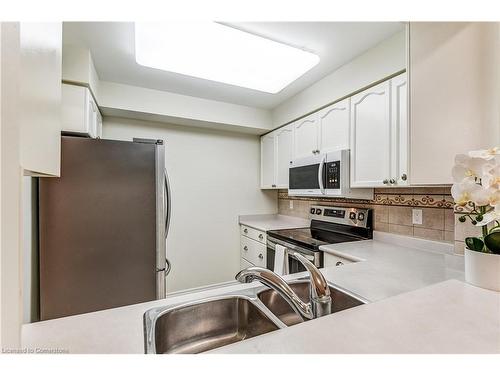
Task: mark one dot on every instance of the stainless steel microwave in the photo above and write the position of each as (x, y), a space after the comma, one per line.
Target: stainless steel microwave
(324, 175)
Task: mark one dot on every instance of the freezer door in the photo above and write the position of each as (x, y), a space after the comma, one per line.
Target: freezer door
(98, 240)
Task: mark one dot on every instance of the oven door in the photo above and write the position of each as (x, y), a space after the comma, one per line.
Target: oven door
(306, 176)
(294, 266)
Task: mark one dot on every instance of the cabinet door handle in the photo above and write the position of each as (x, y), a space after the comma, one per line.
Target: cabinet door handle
(404, 177)
(261, 236)
(245, 248)
(245, 230)
(273, 185)
(339, 264)
(392, 181)
(261, 256)
(386, 181)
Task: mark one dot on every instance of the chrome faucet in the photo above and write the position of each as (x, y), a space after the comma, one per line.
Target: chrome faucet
(319, 291)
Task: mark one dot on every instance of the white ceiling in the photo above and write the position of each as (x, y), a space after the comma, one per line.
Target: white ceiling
(336, 43)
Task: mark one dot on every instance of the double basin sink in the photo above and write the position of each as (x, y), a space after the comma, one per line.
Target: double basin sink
(200, 326)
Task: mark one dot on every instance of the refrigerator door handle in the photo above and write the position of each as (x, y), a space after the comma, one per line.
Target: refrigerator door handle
(167, 200)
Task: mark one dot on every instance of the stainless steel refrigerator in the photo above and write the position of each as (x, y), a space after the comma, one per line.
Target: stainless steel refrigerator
(103, 226)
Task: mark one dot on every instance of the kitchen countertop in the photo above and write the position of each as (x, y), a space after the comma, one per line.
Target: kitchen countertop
(273, 222)
(410, 315)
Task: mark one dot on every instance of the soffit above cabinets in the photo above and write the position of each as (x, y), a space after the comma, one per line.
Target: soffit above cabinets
(336, 43)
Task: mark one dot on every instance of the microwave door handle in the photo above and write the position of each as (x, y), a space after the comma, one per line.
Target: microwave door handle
(320, 174)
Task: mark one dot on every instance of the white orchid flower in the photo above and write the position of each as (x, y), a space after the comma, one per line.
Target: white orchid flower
(488, 154)
(467, 167)
(484, 196)
(491, 178)
(464, 191)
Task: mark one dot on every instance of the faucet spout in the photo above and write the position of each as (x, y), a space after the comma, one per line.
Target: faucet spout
(274, 281)
(320, 292)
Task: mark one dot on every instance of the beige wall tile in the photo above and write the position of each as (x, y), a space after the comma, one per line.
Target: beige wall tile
(432, 218)
(428, 234)
(401, 229)
(449, 220)
(463, 230)
(381, 213)
(382, 227)
(400, 215)
(459, 247)
(449, 236)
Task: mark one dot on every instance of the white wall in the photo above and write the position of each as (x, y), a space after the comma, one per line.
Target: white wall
(215, 177)
(377, 63)
(10, 187)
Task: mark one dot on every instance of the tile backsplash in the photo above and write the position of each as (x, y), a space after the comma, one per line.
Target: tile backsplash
(392, 208)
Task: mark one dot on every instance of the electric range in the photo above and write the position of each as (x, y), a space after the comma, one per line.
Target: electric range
(329, 225)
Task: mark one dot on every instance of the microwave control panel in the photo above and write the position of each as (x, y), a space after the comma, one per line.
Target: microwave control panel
(332, 175)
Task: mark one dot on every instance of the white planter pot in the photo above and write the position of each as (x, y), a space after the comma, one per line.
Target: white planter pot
(482, 269)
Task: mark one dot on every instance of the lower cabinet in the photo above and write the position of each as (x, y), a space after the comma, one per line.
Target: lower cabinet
(245, 264)
(252, 247)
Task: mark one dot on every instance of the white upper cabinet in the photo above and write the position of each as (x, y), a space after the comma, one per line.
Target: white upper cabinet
(379, 135)
(371, 136)
(283, 151)
(305, 136)
(267, 162)
(333, 126)
(79, 112)
(40, 97)
(400, 131)
(276, 153)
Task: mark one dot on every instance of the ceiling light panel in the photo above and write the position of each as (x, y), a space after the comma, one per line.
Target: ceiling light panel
(217, 52)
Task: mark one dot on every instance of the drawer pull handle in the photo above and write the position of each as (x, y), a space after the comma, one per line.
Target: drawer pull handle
(261, 256)
(339, 264)
(261, 236)
(245, 248)
(245, 230)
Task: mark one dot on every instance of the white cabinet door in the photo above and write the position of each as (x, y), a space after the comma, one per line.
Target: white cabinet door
(333, 122)
(283, 154)
(267, 161)
(245, 264)
(305, 138)
(399, 118)
(371, 136)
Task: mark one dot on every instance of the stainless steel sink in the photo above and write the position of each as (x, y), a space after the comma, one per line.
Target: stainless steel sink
(278, 306)
(201, 326)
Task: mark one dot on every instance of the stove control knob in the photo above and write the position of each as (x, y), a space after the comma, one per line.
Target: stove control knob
(361, 216)
(352, 215)
(312, 211)
(318, 211)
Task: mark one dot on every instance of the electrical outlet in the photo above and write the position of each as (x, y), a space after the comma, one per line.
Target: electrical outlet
(291, 205)
(417, 216)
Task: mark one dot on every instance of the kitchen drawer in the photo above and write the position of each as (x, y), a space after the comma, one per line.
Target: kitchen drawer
(245, 264)
(254, 234)
(253, 251)
(334, 260)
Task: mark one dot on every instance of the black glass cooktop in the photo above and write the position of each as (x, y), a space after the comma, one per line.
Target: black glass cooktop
(312, 238)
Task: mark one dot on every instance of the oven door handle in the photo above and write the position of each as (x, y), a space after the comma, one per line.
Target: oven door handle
(320, 174)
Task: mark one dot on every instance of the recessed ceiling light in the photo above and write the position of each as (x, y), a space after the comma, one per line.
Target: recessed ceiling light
(220, 53)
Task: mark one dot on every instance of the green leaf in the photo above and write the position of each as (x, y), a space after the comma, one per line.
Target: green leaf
(492, 242)
(474, 243)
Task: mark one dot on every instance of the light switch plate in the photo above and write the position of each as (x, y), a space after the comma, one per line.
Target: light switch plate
(291, 205)
(417, 216)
